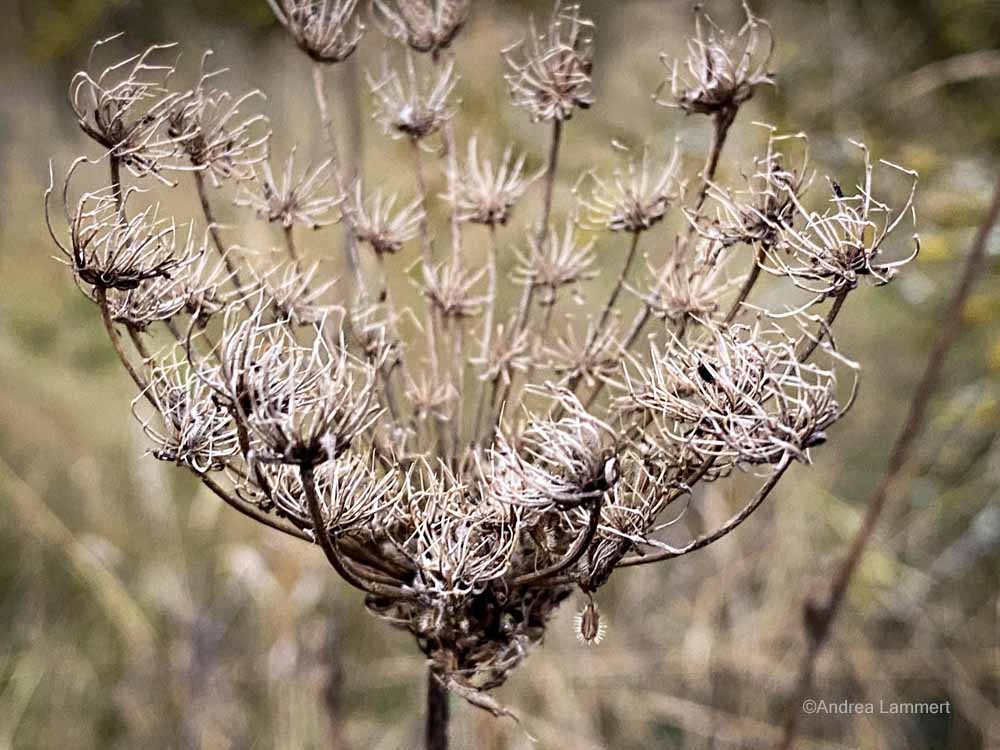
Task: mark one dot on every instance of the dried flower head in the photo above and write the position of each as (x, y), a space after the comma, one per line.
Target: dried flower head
(551, 75)
(469, 503)
(376, 224)
(636, 200)
(832, 250)
(196, 430)
(507, 355)
(295, 294)
(592, 358)
(561, 462)
(757, 214)
(124, 108)
(326, 30)
(449, 287)
(207, 126)
(738, 398)
(683, 291)
(413, 106)
(422, 25)
(299, 405)
(108, 251)
(297, 199)
(722, 70)
(486, 191)
(558, 262)
(353, 494)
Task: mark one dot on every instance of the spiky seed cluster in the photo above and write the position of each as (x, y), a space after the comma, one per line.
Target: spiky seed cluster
(635, 200)
(208, 128)
(486, 191)
(124, 107)
(423, 25)
(550, 73)
(468, 495)
(303, 199)
(558, 262)
(412, 106)
(722, 70)
(326, 30)
(755, 214)
(196, 431)
(834, 249)
(108, 251)
(378, 224)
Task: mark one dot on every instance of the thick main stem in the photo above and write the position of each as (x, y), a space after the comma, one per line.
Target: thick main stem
(436, 727)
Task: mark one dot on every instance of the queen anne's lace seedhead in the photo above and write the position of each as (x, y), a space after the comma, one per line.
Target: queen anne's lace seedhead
(413, 106)
(304, 199)
(326, 30)
(124, 107)
(550, 72)
(468, 491)
(486, 191)
(722, 70)
(635, 200)
(423, 25)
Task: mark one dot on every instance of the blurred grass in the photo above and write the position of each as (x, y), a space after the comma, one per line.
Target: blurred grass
(134, 612)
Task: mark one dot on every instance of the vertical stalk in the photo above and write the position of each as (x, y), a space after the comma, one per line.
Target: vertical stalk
(436, 728)
(524, 309)
(488, 318)
(213, 228)
(543, 228)
(350, 246)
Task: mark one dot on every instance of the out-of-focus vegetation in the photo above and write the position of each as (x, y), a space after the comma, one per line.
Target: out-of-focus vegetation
(135, 612)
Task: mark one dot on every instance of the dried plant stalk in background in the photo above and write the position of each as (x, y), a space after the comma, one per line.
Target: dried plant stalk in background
(464, 465)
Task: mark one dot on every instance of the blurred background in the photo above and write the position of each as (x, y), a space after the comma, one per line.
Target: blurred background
(137, 612)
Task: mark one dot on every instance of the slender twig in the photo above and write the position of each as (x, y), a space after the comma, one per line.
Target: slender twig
(524, 308)
(350, 244)
(820, 615)
(322, 537)
(748, 285)
(213, 230)
(706, 539)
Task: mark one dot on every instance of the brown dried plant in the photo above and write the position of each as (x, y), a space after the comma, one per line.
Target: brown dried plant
(469, 467)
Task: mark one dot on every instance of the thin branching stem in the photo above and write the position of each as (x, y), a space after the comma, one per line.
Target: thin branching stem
(820, 615)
